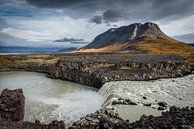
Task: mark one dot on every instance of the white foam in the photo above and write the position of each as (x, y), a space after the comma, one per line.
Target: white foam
(174, 91)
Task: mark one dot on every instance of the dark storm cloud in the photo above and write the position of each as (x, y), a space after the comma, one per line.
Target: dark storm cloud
(58, 3)
(115, 10)
(79, 42)
(102, 11)
(115, 15)
(69, 40)
(72, 41)
(96, 19)
(174, 9)
(111, 15)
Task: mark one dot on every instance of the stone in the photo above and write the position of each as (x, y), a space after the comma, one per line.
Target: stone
(12, 104)
(162, 104)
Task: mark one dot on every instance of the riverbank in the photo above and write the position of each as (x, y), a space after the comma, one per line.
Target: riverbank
(12, 117)
(95, 69)
(50, 99)
(100, 69)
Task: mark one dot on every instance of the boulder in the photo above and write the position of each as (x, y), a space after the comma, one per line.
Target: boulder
(12, 104)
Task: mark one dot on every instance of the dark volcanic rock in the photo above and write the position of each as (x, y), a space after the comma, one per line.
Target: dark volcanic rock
(162, 104)
(30, 125)
(97, 120)
(12, 104)
(95, 69)
(174, 119)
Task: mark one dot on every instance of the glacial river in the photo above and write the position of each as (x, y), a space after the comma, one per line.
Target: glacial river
(50, 99)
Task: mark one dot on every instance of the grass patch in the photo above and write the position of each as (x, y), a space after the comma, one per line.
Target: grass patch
(32, 60)
(167, 47)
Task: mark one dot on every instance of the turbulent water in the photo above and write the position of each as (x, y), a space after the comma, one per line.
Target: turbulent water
(174, 91)
(50, 99)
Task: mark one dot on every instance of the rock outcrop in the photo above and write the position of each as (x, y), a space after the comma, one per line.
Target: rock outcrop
(97, 68)
(12, 104)
(97, 119)
(175, 118)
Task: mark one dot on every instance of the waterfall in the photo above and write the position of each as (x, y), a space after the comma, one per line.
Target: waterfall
(173, 91)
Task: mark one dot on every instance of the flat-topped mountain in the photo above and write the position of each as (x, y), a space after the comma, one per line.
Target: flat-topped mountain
(146, 37)
(132, 33)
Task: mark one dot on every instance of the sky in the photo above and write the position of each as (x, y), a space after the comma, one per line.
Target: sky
(75, 23)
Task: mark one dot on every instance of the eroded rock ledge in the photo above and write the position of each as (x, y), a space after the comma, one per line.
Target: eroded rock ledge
(95, 69)
(175, 118)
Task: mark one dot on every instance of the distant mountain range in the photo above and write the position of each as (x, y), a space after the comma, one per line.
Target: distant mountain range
(146, 37)
(34, 49)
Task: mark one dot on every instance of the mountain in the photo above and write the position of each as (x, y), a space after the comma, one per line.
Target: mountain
(146, 37)
(132, 33)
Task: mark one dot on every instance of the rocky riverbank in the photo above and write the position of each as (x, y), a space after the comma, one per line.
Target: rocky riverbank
(95, 69)
(11, 117)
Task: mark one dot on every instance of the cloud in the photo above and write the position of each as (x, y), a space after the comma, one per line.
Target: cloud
(29, 35)
(2, 43)
(97, 19)
(189, 38)
(111, 15)
(69, 40)
(41, 21)
(101, 11)
(79, 42)
(3, 23)
(72, 41)
(115, 15)
(8, 40)
(50, 28)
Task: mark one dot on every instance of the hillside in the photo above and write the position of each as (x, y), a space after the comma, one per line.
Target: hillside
(146, 37)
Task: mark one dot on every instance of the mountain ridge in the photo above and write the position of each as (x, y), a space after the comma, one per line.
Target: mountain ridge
(145, 38)
(132, 33)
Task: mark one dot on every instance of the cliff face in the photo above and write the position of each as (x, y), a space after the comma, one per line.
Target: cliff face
(96, 69)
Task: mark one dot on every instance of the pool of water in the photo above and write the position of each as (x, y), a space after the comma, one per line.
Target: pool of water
(50, 99)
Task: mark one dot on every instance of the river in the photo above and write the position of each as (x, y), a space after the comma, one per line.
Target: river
(50, 99)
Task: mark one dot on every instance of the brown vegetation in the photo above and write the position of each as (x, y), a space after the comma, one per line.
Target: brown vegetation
(167, 47)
